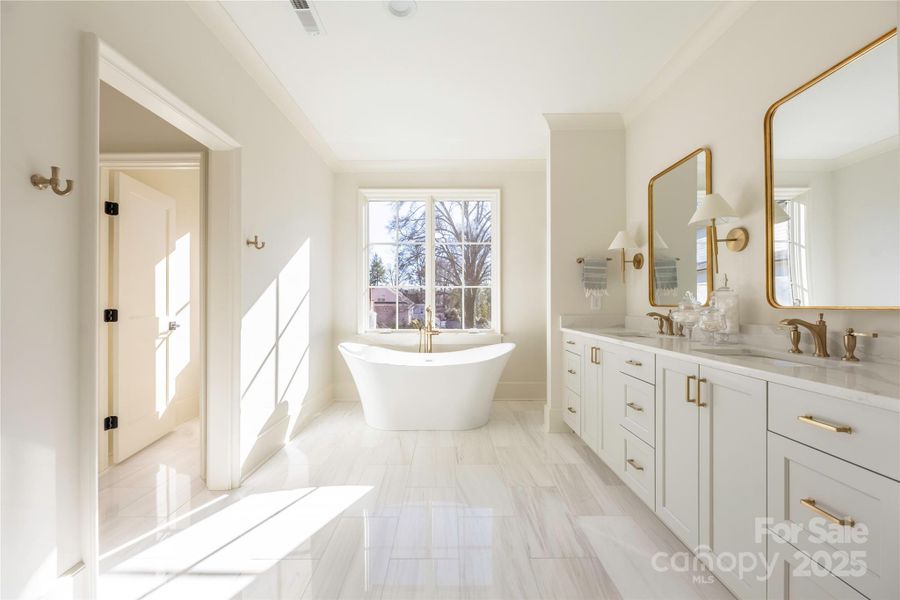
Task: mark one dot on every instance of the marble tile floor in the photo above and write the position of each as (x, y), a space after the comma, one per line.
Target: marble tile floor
(345, 511)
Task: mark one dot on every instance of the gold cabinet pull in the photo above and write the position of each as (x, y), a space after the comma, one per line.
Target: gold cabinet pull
(595, 355)
(572, 410)
(687, 389)
(810, 420)
(634, 363)
(699, 381)
(570, 342)
(634, 464)
(571, 371)
(811, 505)
(634, 406)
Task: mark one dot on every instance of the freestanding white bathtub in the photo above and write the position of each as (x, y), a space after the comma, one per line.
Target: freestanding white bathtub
(410, 390)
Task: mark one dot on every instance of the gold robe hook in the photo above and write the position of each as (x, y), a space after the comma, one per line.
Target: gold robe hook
(255, 243)
(42, 183)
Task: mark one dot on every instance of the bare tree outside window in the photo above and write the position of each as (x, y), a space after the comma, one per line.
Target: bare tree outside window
(462, 269)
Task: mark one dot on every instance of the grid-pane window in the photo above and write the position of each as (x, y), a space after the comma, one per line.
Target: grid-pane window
(436, 250)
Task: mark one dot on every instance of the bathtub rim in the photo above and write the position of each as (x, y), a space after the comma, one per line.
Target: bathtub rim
(346, 349)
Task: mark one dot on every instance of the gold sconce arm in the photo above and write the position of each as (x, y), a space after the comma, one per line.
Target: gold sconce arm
(736, 241)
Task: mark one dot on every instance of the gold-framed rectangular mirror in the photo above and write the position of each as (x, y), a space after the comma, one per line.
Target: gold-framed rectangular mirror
(832, 149)
(679, 253)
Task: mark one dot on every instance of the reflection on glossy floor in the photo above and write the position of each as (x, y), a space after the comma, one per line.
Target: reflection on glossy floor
(344, 511)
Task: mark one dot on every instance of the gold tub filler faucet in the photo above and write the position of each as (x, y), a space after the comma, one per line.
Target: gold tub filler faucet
(427, 331)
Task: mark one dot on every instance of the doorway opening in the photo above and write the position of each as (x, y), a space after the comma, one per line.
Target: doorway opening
(151, 290)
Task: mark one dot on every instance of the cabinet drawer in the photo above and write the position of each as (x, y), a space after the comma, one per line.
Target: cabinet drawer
(638, 406)
(638, 469)
(572, 414)
(572, 371)
(809, 490)
(572, 344)
(795, 578)
(637, 363)
(871, 440)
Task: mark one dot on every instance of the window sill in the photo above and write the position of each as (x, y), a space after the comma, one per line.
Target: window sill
(446, 338)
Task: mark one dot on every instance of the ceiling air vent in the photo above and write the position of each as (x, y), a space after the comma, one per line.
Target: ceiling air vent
(308, 17)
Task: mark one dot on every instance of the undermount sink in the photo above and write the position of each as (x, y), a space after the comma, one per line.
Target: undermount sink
(772, 359)
(630, 334)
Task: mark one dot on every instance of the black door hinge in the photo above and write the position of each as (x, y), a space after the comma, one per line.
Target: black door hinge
(111, 208)
(110, 315)
(110, 423)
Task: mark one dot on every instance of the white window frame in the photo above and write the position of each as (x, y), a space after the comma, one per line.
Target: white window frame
(429, 196)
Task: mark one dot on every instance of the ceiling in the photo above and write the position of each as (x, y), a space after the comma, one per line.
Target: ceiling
(463, 80)
(852, 109)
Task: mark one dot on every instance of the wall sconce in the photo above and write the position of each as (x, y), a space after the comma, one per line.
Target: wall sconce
(710, 208)
(623, 241)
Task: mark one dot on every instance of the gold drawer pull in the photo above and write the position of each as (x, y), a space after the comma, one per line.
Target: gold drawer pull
(810, 420)
(571, 371)
(634, 363)
(699, 381)
(634, 464)
(570, 342)
(572, 410)
(687, 389)
(811, 505)
(634, 406)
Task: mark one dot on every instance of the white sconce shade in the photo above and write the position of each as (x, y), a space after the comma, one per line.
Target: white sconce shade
(711, 206)
(623, 241)
(779, 215)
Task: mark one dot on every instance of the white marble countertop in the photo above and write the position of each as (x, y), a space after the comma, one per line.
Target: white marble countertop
(872, 383)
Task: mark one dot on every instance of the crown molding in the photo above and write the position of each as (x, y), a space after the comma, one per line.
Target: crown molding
(584, 121)
(720, 21)
(538, 165)
(217, 19)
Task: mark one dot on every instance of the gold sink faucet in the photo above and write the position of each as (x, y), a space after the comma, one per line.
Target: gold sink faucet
(660, 319)
(426, 332)
(819, 331)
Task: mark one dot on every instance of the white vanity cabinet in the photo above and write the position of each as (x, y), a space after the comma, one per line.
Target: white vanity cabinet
(730, 456)
(678, 448)
(733, 473)
(711, 462)
(592, 397)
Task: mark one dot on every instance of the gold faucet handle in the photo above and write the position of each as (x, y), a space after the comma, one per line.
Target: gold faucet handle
(794, 334)
(850, 331)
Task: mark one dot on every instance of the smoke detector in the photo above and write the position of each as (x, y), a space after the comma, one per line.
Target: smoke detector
(401, 8)
(308, 17)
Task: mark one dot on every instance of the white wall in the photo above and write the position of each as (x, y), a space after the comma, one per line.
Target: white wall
(867, 245)
(720, 102)
(523, 275)
(286, 191)
(585, 209)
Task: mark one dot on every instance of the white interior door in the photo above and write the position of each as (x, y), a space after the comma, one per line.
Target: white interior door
(142, 388)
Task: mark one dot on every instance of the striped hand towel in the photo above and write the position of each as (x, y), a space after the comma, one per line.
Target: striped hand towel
(665, 274)
(593, 278)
